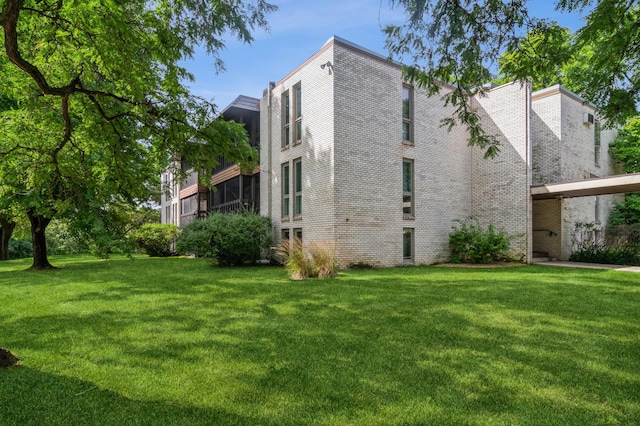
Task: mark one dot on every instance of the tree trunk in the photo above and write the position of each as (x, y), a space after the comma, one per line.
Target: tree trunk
(6, 229)
(38, 226)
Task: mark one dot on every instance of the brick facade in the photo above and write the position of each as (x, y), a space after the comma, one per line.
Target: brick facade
(563, 146)
(351, 154)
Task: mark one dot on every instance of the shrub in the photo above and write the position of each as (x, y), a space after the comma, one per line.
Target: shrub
(231, 239)
(195, 239)
(470, 243)
(19, 249)
(620, 246)
(156, 238)
(315, 260)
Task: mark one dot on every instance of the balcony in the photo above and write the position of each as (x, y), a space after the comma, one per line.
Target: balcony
(236, 206)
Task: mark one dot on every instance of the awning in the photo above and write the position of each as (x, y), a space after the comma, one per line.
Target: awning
(617, 184)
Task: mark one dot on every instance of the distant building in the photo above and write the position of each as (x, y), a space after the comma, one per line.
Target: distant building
(229, 189)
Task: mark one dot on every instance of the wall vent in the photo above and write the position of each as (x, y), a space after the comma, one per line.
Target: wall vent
(587, 118)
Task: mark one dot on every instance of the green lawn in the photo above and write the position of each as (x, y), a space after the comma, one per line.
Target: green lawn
(176, 341)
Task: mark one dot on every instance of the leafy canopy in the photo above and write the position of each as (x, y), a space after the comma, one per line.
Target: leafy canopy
(626, 147)
(460, 43)
(547, 57)
(98, 100)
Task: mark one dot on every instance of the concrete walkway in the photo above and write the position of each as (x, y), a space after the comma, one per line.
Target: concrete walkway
(589, 265)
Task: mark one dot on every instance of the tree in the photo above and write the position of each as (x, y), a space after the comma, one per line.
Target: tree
(7, 225)
(547, 57)
(101, 100)
(7, 220)
(626, 149)
(460, 43)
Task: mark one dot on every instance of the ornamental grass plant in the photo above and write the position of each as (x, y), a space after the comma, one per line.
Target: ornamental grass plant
(314, 260)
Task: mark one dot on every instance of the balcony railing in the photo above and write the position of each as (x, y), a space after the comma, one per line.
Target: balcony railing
(235, 206)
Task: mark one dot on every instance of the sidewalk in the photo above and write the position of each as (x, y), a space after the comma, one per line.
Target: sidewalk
(589, 265)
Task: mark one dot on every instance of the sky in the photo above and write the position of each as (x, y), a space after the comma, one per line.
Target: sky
(298, 29)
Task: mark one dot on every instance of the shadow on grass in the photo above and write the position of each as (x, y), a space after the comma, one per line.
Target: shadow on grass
(32, 397)
(406, 346)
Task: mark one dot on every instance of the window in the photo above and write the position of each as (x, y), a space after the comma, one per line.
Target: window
(596, 142)
(189, 205)
(407, 189)
(286, 195)
(285, 234)
(298, 110)
(297, 233)
(407, 112)
(286, 119)
(407, 245)
(297, 187)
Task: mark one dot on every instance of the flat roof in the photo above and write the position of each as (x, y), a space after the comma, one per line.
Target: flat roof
(244, 102)
(617, 184)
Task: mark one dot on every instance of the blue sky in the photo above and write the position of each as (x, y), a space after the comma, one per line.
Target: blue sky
(299, 29)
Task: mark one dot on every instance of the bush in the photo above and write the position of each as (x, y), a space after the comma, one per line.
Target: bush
(156, 238)
(470, 243)
(313, 261)
(620, 246)
(231, 239)
(195, 239)
(19, 249)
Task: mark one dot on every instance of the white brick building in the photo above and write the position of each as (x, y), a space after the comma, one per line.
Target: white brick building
(354, 145)
(351, 155)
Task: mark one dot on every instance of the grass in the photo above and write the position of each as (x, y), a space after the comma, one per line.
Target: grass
(176, 341)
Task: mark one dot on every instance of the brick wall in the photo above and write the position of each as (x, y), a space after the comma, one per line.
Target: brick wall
(501, 194)
(369, 153)
(564, 150)
(315, 150)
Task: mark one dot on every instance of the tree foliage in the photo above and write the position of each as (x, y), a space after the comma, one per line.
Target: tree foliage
(101, 102)
(231, 239)
(156, 238)
(626, 147)
(460, 43)
(547, 57)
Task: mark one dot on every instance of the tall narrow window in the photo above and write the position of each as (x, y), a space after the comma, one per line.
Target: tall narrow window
(407, 112)
(407, 189)
(286, 120)
(297, 187)
(596, 142)
(297, 233)
(407, 245)
(298, 111)
(286, 234)
(286, 196)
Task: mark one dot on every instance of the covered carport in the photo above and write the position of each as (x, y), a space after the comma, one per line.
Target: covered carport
(548, 212)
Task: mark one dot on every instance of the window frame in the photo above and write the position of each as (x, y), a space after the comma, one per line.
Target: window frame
(297, 189)
(408, 259)
(408, 119)
(411, 193)
(286, 120)
(297, 111)
(285, 191)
